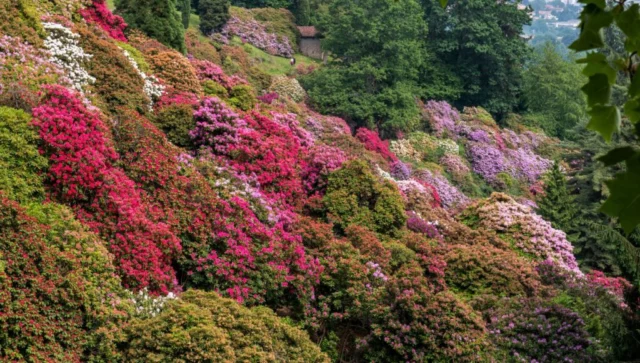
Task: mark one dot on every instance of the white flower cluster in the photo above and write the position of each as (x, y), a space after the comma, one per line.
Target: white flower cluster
(65, 52)
(448, 146)
(148, 306)
(152, 87)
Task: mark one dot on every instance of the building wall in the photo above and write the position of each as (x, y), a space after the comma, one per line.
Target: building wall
(311, 47)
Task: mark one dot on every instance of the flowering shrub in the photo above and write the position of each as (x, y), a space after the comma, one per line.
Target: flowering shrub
(82, 173)
(148, 306)
(200, 49)
(288, 87)
(322, 160)
(152, 88)
(480, 135)
(400, 170)
(65, 51)
(215, 329)
(417, 192)
(355, 196)
(22, 165)
(23, 69)
(419, 225)
(530, 330)
(207, 70)
(217, 126)
(174, 116)
(99, 13)
(404, 149)
(616, 285)
(449, 194)
(527, 231)
(442, 118)
(455, 165)
(485, 269)
(526, 165)
(59, 296)
(488, 161)
(174, 69)
(254, 33)
(269, 98)
(372, 142)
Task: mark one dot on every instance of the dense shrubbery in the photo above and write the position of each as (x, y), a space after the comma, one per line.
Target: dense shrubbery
(206, 327)
(158, 19)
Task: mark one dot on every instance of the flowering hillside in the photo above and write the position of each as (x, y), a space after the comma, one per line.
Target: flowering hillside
(157, 206)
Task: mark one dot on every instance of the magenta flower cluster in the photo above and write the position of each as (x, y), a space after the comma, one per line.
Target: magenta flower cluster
(216, 126)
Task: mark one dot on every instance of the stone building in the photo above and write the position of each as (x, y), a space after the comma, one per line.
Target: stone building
(310, 42)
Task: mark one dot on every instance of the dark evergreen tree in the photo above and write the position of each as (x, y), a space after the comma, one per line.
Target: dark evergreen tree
(185, 9)
(479, 53)
(158, 19)
(557, 205)
(213, 15)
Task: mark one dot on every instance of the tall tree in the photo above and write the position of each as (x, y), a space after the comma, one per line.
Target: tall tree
(479, 45)
(159, 19)
(557, 205)
(551, 90)
(377, 55)
(185, 10)
(213, 15)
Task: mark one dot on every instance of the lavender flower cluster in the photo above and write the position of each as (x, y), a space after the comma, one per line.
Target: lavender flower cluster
(449, 194)
(216, 126)
(254, 33)
(442, 117)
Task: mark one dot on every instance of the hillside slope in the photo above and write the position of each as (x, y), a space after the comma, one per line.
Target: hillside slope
(157, 206)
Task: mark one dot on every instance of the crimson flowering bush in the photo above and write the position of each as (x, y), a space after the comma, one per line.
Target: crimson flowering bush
(372, 142)
(254, 33)
(99, 13)
(616, 285)
(82, 174)
(269, 98)
(417, 224)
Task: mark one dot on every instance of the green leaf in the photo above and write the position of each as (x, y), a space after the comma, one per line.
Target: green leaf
(632, 45)
(624, 201)
(599, 3)
(588, 39)
(634, 87)
(632, 110)
(597, 63)
(605, 120)
(618, 155)
(598, 90)
(444, 3)
(629, 21)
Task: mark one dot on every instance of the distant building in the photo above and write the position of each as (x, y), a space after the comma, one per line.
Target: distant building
(310, 42)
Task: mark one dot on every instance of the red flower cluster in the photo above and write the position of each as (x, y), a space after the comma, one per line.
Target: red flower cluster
(100, 14)
(372, 142)
(83, 175)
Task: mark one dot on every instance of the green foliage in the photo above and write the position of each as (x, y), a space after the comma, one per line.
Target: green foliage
(243, 97)
(158, 19)
(355, 196)
(213, 15)
(185, 12)
(477, 45)
(213, 88)
(557, 205)
(205, 327)
(21, 165)
(176, 120)
(136, 55)
(21, 19)
(551, 91)
(378, 52)
(624, 201)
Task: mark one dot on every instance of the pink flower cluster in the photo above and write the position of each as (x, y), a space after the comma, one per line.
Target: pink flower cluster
(322, 160)
(449, 194)
(532, 234)
(100, 14)
(254, 33)
(372, 142)
(617, 285)
(206, 70)
(217, 126)
(82, 174)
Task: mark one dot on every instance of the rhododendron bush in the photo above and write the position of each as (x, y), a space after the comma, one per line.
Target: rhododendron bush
(100, 14)
(254, 33)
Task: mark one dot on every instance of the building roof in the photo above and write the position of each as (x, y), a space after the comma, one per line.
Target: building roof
(308, 31)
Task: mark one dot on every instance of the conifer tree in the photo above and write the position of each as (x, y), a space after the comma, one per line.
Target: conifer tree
(557, 205)
(185, 9)
(213, 15)
(158, 19)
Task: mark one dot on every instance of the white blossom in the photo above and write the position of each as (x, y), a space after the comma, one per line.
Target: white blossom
(65, 51)
(152, 87)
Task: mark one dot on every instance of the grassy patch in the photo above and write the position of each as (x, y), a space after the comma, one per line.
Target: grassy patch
(273, 65)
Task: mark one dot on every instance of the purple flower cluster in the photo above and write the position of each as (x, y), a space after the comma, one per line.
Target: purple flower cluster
(377, 271)
(536, 332)
(290, 121)
(487, 160)
(449, 194)
(254, 33)
(400, 170)
(443, 118)
(216, 126)
(480, 135)
(527, 166)
(417, 224)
